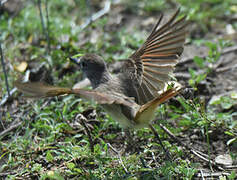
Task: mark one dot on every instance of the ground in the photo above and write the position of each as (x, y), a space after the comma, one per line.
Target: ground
(68, 138)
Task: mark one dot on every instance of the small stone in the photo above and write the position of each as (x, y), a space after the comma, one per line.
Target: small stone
(224, 159)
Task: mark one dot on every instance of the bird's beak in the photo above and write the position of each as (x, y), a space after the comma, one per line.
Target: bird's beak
(75, 60)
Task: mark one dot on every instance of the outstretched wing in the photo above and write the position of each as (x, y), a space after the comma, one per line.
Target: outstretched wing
(39, 90)
(153, 62)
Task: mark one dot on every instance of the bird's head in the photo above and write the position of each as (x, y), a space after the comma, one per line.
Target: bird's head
(92, 66)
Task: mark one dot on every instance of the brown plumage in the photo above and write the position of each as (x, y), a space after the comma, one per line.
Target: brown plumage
(130, 97)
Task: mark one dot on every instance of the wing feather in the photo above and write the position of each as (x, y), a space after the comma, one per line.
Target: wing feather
(157, 57)
(42, 90)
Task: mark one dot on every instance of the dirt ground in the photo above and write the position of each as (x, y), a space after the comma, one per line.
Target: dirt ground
(221, 81)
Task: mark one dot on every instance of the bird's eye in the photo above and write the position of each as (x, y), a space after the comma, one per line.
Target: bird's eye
(83, 64)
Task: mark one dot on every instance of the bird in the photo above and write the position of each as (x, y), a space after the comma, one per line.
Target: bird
(131, 96)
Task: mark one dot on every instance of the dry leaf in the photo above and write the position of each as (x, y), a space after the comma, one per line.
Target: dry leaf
(21, 67)
(224, 159)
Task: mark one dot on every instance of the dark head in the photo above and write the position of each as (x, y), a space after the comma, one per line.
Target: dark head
(93, 67)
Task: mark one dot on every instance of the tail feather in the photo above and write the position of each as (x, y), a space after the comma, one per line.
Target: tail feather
(146, 113)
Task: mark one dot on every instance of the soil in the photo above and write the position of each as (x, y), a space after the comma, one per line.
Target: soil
(221, 81)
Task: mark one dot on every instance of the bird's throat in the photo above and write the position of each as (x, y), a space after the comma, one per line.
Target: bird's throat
(99, 78)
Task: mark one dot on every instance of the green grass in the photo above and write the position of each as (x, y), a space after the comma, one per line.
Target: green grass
(52, 144)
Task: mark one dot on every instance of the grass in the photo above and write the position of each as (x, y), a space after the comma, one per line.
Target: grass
(51, 142)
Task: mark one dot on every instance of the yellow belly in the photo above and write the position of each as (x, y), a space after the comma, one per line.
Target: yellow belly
(114, 110)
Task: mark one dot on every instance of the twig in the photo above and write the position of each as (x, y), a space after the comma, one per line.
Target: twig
(187, 60)
(41, 16)
(143, 162)
(220, 61)
(8, 173)
(97, 15)
(211, 174)
(231, 166)
(220, 70)
(4, 70)
(26, 175)
(45, 32)
(48, 30)
(82, 118)
(189, 148)
(182, 75)
(204, 159)
(1, 120)
(202, 175)
(229, 50)
(6, 97)
(119, 156)
(13, 126)
(158, 137)
(154, 159)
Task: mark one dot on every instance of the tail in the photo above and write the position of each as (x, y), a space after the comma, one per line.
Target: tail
(146, 113)
(38, 89)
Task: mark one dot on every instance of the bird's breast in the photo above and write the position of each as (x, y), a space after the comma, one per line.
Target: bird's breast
(115, 111)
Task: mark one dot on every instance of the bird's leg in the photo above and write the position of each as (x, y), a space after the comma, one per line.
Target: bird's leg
(130, 141)
(167, 153)
(131, 144)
